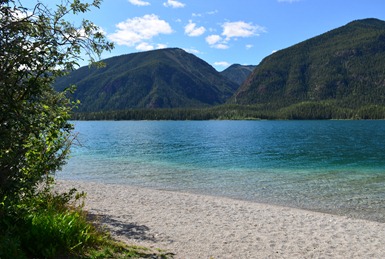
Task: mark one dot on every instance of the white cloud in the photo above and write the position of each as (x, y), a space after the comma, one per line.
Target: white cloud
(145, 46)
(217, 42)
(249, 46)
(193, 51)
(213, 12)
(207, 13)
(139, 29)
(241, 29)
(139, 2)
(220, 46)
(161, 46)
(191, 30)
(234, 30)
(174, 4)
(222, 64)
(213, 39)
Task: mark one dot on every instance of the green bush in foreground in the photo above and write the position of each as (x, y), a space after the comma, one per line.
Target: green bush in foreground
(38, 44)
(51, 233)
(47, 226)
(44, 227)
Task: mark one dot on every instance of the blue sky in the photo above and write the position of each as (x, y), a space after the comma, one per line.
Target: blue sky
(224, 32)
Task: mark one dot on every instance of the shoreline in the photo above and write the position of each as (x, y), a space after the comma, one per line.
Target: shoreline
(201, 226)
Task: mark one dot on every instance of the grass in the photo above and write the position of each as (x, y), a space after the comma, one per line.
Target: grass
(48, 226)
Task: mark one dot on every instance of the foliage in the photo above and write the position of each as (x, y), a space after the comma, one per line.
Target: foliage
(213, 113)
(238, 73)
(165, 78)
(37, 45)
(45, 227)
(305, 110)
(345, 65)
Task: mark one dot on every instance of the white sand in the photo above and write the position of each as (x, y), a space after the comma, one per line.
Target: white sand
(198, 226)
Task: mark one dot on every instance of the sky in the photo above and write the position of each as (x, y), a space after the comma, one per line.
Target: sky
(224, 32)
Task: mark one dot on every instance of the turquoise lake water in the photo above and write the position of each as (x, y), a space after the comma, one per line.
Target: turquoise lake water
(329, 166)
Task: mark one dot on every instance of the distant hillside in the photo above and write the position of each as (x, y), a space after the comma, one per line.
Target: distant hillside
(344, 67)
(166, 78)
(238, 73)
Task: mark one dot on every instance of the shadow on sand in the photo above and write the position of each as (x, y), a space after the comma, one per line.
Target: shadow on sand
(119, 228)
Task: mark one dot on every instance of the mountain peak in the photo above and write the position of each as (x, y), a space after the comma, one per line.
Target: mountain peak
(373, 22)
(165, 78)
(238, 73)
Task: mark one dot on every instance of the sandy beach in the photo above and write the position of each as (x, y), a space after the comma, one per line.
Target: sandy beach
(199, 226)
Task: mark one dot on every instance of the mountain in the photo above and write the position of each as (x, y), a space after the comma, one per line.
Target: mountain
(238, 73)
(345, 66)
(165, 78)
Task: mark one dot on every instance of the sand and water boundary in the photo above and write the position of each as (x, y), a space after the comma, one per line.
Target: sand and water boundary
(201, 226)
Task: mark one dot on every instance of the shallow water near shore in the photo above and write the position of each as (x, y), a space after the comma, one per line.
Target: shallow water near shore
(329, 166)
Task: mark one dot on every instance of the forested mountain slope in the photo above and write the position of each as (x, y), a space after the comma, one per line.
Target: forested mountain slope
(165, 78)
(345, 67)
(238, 73)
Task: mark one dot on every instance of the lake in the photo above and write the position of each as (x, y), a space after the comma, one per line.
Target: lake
(329, 166)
